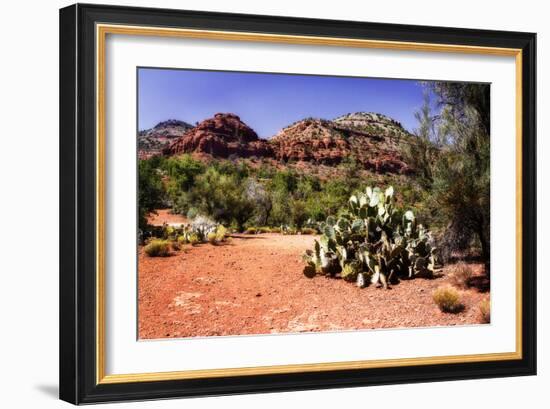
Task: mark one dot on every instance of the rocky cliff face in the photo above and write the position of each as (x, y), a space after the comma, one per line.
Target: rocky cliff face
(153, 141)
(371, 139)
(311, 139)
(221, 136)
(372, 124)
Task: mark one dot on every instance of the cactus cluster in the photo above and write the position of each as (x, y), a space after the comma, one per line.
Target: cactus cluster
(198, 231)
(202, 226)
(372, 241)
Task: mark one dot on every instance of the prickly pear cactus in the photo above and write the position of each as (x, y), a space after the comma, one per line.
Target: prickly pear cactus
(373, 241)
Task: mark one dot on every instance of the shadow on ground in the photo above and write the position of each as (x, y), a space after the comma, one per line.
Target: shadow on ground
(50, 390)
(481, 283)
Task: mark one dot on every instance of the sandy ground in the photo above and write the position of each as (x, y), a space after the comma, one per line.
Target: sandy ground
(255, 285)
(164, 216)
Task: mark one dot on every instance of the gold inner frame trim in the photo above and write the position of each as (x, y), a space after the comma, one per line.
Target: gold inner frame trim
(101, 33)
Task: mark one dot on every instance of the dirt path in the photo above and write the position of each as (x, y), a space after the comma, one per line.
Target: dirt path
(165, 216)
(255, 285)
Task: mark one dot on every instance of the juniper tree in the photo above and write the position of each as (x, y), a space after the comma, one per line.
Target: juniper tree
(461, 180)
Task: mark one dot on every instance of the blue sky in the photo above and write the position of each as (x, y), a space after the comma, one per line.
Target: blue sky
(269, 102)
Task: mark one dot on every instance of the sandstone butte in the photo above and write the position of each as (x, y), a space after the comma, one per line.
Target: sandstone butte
(372, 139)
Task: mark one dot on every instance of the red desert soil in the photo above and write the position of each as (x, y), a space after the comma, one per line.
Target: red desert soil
(254, 285)
(164, 216)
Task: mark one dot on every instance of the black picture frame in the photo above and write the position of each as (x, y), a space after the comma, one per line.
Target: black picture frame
(78, 257)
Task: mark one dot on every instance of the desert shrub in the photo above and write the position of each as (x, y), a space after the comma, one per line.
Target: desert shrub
(288, 230)
(298, 212)
(194, 239)
(157, 248)
(308, 230)
(182, 239)
(275, 230)
(236, 195)
(168, 232)
(485, 311)
(259, 230)
(182, 171)
(176, 246)
(294, 198)
(192, 213)
(460, 275)
(221, 232)
(315, 209)
(220, 194)
(448, 299)
(212, 238)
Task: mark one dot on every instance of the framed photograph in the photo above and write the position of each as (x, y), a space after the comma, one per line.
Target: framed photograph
(257, 204)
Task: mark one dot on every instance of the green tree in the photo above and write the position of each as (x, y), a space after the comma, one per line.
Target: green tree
(421, 151)
(221, 196)
(257, 194)
(150, 191)
(181, 171)
(281, 187)
(461, 182)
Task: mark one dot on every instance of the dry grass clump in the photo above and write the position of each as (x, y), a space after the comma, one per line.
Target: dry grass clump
(448, 299)
(212, 238)
(221, 233)
(157, 248)
(261, 230)
(308, 230)
(460, 275)
(485, 311)
(194, 239)
(176, 246)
